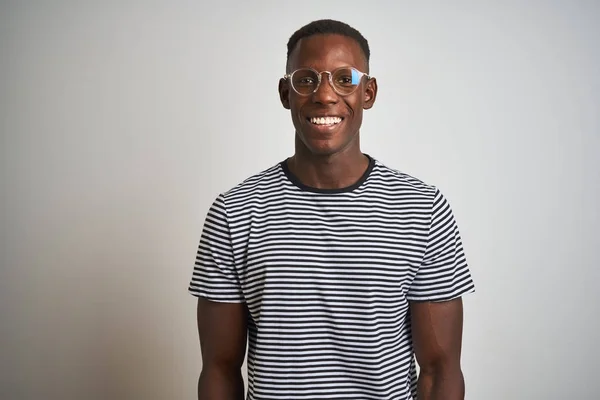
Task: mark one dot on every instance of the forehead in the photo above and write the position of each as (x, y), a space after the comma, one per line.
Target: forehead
(327, 52)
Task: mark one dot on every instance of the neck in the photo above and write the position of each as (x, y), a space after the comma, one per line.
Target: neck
(330, 171)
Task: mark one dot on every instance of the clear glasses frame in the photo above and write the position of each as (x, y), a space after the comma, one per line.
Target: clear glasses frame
(289, 78)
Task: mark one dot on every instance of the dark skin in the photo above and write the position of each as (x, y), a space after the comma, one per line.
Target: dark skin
(222, 328)
(437, 341)
(330, 160)
(334, 159)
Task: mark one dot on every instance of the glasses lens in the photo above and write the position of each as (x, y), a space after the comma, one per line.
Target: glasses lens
(346, 80)
(305, 81)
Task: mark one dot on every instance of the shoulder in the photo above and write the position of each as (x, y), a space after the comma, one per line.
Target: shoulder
(400, 182)
(256, 186)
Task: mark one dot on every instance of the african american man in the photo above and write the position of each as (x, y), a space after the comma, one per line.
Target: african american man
(337, 270)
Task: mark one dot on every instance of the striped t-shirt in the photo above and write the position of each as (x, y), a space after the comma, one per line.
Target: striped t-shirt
(327, 276)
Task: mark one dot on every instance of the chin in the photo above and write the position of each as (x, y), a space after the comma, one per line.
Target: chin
(325, 141)
(325, 147)
(323, 152)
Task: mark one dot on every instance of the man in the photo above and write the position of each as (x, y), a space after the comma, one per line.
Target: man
(337, 268)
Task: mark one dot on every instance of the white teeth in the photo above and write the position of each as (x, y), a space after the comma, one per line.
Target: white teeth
(325, 120)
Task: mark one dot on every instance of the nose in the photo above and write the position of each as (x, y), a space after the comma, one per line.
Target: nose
(325, 93)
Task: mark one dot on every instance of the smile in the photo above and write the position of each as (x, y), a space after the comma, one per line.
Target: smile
(325, 120)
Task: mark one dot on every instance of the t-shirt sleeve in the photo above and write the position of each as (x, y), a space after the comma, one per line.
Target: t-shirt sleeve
(215, 275)
(443, 274)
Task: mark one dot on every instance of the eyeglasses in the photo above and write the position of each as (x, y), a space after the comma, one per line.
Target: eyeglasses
(344, 80)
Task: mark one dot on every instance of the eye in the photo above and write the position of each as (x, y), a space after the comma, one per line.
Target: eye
(305, 81)
(305, 78)
(344, 80)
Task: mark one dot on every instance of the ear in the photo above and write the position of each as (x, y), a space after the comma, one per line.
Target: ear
(370, 93)
(284, 93)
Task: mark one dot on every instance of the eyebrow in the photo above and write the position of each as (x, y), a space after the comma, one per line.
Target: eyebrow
(330, 69)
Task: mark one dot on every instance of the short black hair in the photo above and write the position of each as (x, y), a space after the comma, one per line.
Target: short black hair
(327, 26)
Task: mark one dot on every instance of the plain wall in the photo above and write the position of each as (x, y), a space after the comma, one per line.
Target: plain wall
(121, 121)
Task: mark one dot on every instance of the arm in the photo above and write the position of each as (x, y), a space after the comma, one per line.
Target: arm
(222, 328)
(437, 338)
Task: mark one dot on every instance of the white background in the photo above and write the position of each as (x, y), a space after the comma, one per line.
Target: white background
(120, 123)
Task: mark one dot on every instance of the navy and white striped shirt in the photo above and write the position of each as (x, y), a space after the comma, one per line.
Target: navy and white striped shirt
(327, 276)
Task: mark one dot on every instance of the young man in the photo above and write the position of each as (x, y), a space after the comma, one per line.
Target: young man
(337, 268)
